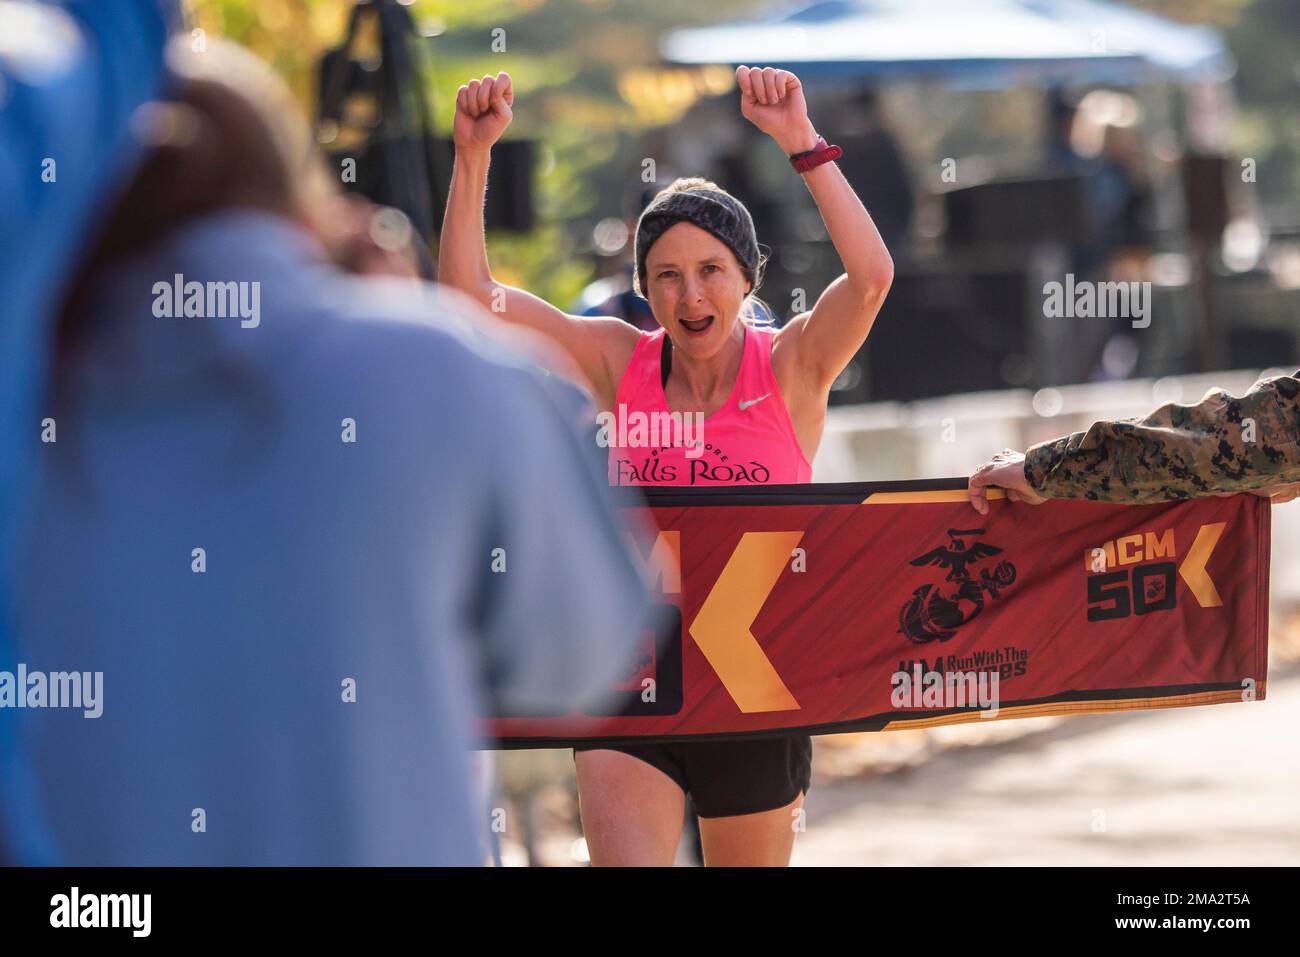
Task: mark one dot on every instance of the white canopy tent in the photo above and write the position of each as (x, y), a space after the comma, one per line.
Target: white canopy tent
(975, 43)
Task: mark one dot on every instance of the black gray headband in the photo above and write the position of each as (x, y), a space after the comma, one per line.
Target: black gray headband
(713, 210)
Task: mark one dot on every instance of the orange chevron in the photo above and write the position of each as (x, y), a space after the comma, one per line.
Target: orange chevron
(722, 627)
(1192, 570)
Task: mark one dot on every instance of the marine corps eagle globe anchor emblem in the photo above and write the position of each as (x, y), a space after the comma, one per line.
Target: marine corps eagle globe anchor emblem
(934, 611)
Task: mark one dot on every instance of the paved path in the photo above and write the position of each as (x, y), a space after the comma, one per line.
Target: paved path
(1204, 786)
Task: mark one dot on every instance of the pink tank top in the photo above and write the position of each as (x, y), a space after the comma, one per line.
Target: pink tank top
(749, 441)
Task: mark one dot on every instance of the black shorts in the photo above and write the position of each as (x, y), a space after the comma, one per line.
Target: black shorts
(725, 778)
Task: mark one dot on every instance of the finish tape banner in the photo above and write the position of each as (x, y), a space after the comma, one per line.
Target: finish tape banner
(871, 607)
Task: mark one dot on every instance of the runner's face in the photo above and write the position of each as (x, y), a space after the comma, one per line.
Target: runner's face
(696, 287)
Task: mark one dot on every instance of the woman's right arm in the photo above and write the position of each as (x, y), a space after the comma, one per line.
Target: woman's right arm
(601, 346)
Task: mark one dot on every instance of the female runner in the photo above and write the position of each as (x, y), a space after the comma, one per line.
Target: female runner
(763, 397)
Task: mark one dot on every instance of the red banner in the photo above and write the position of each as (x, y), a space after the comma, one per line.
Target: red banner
(826, 608)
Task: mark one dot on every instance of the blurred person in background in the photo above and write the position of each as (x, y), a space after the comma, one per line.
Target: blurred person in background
(762, 396)
(1222, 445)
(613, 295)
(1101, 139)
(878, 173)
(1107, 133)
(302, 543)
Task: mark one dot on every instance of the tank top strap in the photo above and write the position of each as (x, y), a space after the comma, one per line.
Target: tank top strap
(756, 372)
(642, 373)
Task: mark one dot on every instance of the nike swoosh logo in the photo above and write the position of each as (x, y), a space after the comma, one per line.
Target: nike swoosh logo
(745, 404)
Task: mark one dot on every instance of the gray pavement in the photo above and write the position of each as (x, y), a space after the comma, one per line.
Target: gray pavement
(1217, 785)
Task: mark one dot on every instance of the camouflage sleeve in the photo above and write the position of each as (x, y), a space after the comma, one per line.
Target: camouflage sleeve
(1221, 444)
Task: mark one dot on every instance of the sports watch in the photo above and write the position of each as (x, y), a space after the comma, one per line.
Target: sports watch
(819, 154)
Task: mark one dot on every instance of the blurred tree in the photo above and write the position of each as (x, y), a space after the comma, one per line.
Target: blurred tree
(587, 81)
(1264, 36)
(1266, 42)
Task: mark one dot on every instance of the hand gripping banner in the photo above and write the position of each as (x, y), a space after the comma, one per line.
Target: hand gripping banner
(870, 607)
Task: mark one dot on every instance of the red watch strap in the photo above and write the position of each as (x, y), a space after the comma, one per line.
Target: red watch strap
(819, 154)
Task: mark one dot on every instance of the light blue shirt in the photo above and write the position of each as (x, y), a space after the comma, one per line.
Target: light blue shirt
(377, 562)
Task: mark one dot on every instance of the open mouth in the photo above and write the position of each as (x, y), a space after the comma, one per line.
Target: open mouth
(697, 327)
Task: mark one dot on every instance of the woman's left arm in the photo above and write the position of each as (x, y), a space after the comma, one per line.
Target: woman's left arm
(826, 338)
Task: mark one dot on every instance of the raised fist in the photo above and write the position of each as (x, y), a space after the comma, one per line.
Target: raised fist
(483, 111)
(773, 101)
